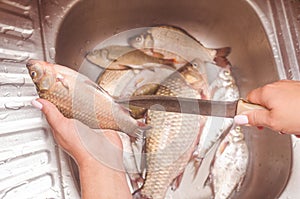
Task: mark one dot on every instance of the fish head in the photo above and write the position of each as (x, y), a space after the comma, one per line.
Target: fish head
(142, 41)
(42, 74)
(198, 64)
(99, 57)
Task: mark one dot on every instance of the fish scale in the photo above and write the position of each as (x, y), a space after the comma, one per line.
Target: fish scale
(170, 142)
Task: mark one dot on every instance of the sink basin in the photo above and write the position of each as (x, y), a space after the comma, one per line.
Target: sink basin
(71, 28)
(211, 22)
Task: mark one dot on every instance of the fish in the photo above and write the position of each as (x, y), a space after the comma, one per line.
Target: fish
(230, 163)
(116, 57)
(130, 161)
(170, 142)
(78, 97)
(222, 88)
(169, 41)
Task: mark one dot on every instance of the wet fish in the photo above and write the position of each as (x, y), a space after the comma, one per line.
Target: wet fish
(166, 40)
(170, 142)
(223, 88)
(230, 164)
(78, 97)
(124, 57)
(130, 161)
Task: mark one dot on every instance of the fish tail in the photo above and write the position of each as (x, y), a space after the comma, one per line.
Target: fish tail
(221, 57)
(136, 132)
(223, 52)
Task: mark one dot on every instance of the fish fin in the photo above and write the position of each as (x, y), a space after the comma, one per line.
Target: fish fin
(138, 133)
(220, 57)
(196, 164)
(143, 126)
(157, 54)
(118, 67)
(139, 195)
(222, 61)
(223, 52)
(176, 182)
(170, 62)
(60, 78)
(136, 181)
(208, 182)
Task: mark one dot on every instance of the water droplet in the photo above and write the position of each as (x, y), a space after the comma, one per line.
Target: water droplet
(20, 43)
(19, 94)
(42, 161)
(48, 21)
(14, 105)
(52, 53)
(5, 69)
(26, 34)
(7, 94)
(3, 116)
(26, 13)
(68, 192)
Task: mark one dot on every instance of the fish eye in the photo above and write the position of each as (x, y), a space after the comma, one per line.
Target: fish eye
(195, 64)
(96, 52)
(33, 74)
(138, 39)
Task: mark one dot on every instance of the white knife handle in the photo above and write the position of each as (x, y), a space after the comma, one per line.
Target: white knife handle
(244, 105)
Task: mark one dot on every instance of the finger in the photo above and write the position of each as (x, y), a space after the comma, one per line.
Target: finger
(255, 96)
(52, 114)
(258, 117)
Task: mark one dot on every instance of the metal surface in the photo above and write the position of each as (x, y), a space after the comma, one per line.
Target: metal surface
(31, 164)
(264, 40)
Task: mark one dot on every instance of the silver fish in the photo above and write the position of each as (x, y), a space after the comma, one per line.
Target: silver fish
(124, 57)
(230, 164)
(78, 97)
(171, 141)
(168, 40)
(223, 88)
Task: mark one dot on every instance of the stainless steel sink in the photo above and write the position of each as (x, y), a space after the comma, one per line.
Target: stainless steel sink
(63, 31)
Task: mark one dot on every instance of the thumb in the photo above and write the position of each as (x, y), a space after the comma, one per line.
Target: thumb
(258, 117)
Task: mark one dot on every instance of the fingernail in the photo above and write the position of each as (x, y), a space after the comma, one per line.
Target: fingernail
(37, 104)
(241, 119)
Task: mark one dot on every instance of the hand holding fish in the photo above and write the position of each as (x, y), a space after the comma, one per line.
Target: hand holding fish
(282, 99)
(92, 171)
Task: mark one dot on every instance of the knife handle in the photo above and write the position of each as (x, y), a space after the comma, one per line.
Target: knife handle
(244, 105)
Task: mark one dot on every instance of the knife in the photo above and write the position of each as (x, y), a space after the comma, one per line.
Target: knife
(191, 106)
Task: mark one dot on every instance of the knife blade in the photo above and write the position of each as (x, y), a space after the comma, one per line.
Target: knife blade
(189, 105)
